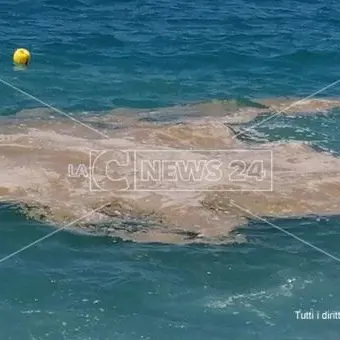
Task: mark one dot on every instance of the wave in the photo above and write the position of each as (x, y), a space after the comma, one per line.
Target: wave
(189, 179)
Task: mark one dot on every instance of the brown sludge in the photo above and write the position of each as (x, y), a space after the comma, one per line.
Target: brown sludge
(35, 154)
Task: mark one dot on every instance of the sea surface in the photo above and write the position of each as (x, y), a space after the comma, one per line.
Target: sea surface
(92, 56)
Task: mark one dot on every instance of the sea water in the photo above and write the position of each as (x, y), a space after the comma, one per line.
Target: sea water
(97, 55)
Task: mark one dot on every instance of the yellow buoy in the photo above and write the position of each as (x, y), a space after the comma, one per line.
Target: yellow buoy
(21, 56)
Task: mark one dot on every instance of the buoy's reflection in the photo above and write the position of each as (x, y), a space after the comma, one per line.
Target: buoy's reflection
(20, 68)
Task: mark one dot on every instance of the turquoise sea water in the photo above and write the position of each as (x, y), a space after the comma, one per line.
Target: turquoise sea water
(94, 55)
